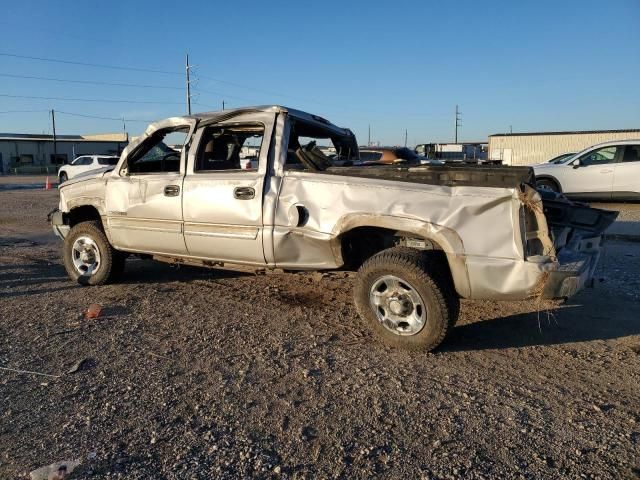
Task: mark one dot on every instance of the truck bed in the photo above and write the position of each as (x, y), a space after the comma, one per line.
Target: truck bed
(445, 175)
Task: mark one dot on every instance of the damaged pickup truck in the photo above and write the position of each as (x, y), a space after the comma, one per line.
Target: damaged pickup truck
(420, 237)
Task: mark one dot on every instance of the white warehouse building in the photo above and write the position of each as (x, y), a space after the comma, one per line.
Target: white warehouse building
(34, 153)
(532, 148)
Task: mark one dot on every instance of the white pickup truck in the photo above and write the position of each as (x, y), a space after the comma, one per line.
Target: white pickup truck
(420, 237)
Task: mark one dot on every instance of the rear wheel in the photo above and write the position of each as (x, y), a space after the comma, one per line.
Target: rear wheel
(407, 298)
(548, 184)
(88, 256)
(63, 177)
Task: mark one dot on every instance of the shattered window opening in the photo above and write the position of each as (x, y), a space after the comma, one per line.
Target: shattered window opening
(230, 148)
(160, 153)
(312, 147)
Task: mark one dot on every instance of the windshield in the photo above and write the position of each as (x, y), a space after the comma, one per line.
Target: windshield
(562, 158)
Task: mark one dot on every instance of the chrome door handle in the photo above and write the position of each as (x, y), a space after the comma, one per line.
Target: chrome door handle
(244, 193)
(171, 191)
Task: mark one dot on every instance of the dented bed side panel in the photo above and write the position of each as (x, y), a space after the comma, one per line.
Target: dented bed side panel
(478, 228)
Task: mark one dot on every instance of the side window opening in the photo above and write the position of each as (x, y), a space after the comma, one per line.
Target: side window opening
(600, 156)
(631, 153)
(314, 148)
(160, 153)
(234, 147)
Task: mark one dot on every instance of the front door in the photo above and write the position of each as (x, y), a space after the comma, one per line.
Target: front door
(591, 173)
(144, 199)
(223, 192)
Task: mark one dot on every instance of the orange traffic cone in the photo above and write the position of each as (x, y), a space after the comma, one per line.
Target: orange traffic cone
(47, 184)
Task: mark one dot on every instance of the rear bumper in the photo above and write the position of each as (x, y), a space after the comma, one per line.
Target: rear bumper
(575, 269)
(56, 218)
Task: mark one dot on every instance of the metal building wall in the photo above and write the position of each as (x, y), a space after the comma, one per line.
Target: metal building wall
(42, 150)
(531, 148)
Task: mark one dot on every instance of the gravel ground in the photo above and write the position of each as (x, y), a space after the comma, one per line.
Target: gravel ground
(192, 373)
(628, 222)
(6, 180)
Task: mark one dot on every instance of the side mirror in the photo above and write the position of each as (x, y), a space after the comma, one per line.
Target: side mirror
(577, 164)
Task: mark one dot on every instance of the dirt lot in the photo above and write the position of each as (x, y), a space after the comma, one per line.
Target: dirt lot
(211, 374)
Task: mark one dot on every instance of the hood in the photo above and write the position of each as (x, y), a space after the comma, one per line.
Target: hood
(545, 166)
(90, 175)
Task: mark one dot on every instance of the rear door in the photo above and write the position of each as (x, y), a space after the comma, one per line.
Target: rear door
(626, 178)
(223, 203)
(591, 174)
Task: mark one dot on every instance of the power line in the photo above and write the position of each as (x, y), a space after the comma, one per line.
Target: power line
(233, 84)
(25, 111)
(167, 72)
(103, 118)
(136, 69)
(86, 64)
(88, 82)
(98, 100)
(205, 105)
(199, 90)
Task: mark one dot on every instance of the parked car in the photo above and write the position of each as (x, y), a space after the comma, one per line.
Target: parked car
(420, 237)
(84, 164)
(608, 171)
(393, 155)
(561, 158)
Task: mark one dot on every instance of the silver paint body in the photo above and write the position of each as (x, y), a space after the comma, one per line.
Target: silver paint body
(479, 228)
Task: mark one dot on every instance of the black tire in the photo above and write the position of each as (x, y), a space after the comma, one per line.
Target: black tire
(547, 183)
(425, 271)
(112, 262)
(63, 177)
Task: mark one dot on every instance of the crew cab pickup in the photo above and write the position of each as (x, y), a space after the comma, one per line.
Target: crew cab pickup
(420, 237)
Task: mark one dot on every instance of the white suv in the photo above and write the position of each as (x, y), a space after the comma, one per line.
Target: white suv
(84, 164)
(608, 171)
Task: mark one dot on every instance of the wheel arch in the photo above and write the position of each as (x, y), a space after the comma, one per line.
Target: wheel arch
(374, 233)
(84, 213)
(546, 176)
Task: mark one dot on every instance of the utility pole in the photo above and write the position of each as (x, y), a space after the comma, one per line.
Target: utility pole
(369, 139)
(188, 87)
(458, 113)
(510, 128)
(405, 137)
(222, 104)
(55, 143)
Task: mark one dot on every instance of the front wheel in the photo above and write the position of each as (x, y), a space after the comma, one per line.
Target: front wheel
(88, 256)
(547, 184)
(407, 297)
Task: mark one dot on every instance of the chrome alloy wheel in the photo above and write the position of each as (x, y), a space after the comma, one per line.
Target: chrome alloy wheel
(85, 255)
(397, 305)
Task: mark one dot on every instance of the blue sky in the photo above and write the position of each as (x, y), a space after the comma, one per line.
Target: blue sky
(543, 65)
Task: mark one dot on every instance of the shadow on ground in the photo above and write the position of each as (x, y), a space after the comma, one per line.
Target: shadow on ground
(596, 318)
